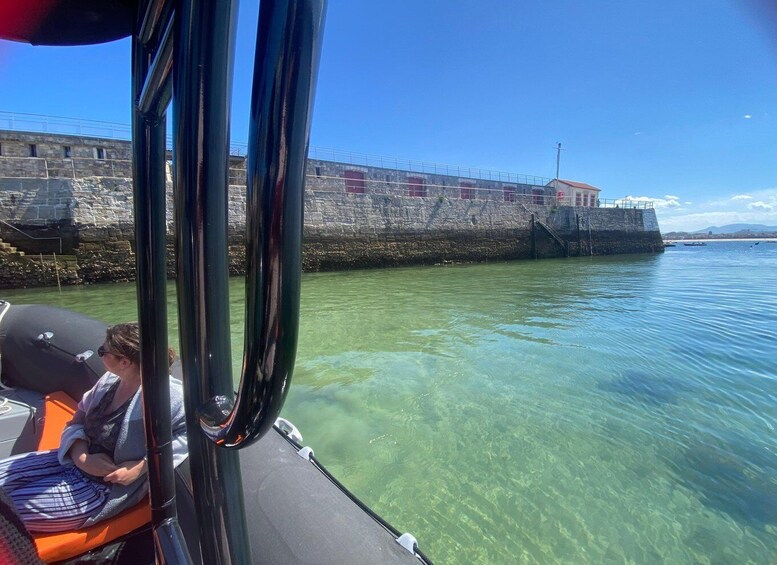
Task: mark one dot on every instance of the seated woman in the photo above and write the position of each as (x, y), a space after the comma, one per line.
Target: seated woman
(100, 467)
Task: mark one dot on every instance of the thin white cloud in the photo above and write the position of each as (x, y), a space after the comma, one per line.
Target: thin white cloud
(760, 205)
(698, 221)
(753, 207)
(668, 201)
(747, 116)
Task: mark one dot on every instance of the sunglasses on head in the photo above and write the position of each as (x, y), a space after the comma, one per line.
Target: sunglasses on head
(102, 352)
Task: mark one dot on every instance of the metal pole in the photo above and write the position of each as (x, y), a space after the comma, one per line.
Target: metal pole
(202, 84)
(148, 172)
(579, 239)
(56, 271)
(558, 159)
(590, 236)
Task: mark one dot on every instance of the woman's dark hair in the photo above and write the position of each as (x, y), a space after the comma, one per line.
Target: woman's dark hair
(124, 340)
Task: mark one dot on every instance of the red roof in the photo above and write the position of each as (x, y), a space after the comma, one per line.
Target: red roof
(576, 184)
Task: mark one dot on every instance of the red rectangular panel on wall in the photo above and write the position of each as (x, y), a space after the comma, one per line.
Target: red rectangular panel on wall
(416, 187)
(509, 193)
(467, 190)
(354, 182)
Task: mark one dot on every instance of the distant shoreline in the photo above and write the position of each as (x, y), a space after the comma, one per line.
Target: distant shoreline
(695, 240)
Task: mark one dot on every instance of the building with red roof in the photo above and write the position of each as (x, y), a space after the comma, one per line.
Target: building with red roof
(573, 193)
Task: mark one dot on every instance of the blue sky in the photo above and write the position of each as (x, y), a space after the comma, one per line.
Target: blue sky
(670, 101)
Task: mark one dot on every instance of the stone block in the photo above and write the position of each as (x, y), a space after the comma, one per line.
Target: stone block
(22, 168)
(47, 213)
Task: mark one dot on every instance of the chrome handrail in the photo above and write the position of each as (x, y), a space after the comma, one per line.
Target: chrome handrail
(285, 68)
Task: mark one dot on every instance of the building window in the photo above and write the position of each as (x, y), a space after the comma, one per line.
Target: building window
(99, 153)
(67, 152)
(33, 150)
(585, 199)
(1, 148)
(467, 190)
(510, 193)
(354, 182)
(318, 172)
(416, 187)
(538, 196)
(578, 199)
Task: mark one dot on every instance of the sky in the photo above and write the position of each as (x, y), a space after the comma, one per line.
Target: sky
(671, 102)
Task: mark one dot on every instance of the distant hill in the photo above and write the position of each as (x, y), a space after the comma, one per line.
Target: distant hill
(736, 228)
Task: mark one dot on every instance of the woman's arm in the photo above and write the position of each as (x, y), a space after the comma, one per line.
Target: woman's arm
(178, 417)
(128, 472)
(180, 447)
(74, 430)
(95, 464)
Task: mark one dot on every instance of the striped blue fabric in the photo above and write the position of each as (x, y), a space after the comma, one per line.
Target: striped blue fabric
(48, 496)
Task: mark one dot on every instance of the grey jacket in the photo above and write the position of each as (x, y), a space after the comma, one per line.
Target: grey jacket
(130, 444)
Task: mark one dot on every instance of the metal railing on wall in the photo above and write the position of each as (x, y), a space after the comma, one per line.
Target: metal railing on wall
(5, 224)
(17, 121)
(427, 167)
(626, 203)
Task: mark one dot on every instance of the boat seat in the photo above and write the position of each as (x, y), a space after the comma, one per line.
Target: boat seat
(59, 410)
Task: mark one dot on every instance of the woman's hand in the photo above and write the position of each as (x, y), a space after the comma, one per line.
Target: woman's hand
(95, 464)
(127, 473)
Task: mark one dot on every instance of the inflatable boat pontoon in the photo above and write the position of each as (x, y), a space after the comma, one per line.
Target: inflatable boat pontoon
(297, 512)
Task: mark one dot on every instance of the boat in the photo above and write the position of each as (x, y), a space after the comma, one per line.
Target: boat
(48, 360)
(669, 244)
(695, 244)
(250, 492)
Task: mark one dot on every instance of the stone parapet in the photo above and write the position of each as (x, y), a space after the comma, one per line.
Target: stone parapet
(50, 145)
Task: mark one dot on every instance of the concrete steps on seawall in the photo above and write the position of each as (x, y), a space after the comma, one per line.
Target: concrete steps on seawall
(8, 249)
(555, 236)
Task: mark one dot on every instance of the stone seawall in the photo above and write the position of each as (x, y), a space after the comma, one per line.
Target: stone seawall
(81, 206)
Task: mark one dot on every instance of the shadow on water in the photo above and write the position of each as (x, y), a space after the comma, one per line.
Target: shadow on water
(645, 387)
(737, 479)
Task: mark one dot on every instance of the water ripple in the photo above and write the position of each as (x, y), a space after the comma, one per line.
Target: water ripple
(586, 410)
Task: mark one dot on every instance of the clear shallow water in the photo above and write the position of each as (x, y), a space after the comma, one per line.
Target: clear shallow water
(591, 410)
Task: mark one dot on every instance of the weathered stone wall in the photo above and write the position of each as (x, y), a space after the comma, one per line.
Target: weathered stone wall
(17, 144)
(31, 271)
(608, 231)
(82, 205)
(341, 213)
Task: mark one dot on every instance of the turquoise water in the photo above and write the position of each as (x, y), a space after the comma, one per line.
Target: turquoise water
(585, 410)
